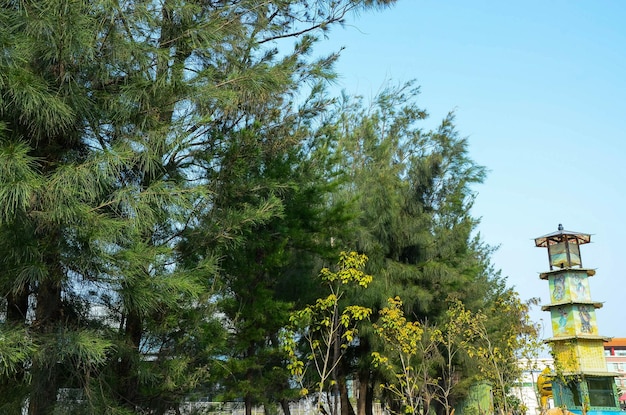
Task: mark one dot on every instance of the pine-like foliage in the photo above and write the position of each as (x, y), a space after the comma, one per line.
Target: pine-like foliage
(172, 173)
(124, 127)
(413, 191)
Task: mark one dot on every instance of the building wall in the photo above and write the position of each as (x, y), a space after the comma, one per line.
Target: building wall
(615, 355)
(526, 390)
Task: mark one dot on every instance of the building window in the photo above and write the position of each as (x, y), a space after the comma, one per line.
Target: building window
(600, 392)
(615, 367)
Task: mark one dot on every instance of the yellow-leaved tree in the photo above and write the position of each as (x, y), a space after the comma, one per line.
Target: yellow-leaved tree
(327, 328)
(403, 341)
(420, 358)
(496, 338)
(424, 362)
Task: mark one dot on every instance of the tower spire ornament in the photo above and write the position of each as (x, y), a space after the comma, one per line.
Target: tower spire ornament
(580, 382)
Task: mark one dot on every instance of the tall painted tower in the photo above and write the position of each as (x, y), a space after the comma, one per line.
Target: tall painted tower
(580, 382)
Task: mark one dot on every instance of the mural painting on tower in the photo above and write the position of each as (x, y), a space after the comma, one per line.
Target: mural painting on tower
(581, 383)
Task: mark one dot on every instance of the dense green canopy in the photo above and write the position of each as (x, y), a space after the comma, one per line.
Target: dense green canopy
(173, 176)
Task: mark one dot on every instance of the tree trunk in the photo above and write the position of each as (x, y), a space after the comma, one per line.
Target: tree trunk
(248, 399)
(127, 372)
(369, 399)
(336, 356)
(346, 405)
(45, 371)
(426, 406)
(284, 404)
(361, 403)
(248, 404)
(43, 394)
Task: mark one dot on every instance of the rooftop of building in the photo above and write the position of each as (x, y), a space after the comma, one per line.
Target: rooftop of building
(615, 342)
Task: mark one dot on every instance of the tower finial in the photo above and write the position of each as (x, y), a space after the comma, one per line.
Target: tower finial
(560, 227)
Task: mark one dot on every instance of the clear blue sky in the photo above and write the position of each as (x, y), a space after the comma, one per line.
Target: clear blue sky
(539, 89)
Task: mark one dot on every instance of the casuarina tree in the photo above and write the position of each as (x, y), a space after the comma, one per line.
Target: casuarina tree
(116, 125)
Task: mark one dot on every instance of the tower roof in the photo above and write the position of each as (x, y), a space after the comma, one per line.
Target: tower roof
(562, 235)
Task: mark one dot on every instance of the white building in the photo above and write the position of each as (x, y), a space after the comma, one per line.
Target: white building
(526, 390)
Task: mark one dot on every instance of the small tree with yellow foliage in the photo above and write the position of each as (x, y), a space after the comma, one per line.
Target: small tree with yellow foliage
(420, 357)
(326, 327)
(402, 340)
(450, 339)
(495, 339)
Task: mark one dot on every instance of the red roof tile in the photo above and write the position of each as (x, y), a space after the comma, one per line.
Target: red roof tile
(615, 342)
